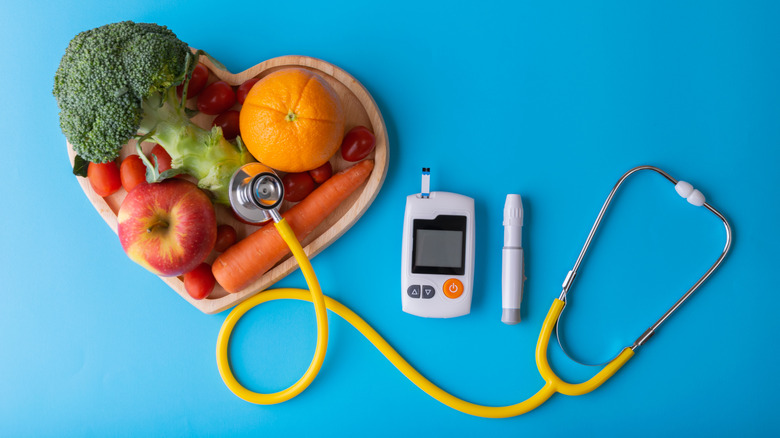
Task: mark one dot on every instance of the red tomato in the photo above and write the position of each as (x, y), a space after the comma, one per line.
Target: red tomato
(132, 172)
(163, 159)
(226, 237)
(322, 173)
(200, 281)
(357, 144)
(218, 97)
(200, 75)
(244, 88)
(104, 178)
(297, 186)
(228, 121)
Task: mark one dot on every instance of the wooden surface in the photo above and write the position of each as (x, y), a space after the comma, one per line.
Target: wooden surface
(360, 110)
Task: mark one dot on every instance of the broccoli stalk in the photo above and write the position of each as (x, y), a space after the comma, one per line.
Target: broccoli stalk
(206, 155)
(117, 82)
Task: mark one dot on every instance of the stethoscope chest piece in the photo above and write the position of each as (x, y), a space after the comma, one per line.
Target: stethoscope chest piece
(255, 193)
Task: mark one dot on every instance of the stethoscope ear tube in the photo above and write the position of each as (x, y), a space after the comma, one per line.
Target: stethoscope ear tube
(694, 197)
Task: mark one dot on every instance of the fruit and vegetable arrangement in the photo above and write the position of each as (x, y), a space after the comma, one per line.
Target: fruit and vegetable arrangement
(156, 130)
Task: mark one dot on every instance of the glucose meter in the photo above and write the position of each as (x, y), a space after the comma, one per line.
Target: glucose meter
(437, 263)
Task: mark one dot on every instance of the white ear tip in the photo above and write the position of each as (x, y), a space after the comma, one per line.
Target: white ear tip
(696, 198)
(687, 191)
(684, 189)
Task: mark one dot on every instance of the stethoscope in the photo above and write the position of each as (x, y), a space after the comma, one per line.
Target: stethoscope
(256, 193)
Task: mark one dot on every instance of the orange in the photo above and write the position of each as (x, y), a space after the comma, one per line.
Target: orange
(292, 120)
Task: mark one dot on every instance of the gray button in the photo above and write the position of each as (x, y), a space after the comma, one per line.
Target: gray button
(428, 291)
(413, 291)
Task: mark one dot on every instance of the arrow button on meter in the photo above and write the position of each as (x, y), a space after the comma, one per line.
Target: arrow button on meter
(453, 288)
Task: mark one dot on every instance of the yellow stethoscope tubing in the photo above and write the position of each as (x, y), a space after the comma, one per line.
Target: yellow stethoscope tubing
(314, 294)
(323, 303)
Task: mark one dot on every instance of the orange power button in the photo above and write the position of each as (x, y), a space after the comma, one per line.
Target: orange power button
(453, 288)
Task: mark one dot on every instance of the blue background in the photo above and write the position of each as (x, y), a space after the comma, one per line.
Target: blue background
(553, 101)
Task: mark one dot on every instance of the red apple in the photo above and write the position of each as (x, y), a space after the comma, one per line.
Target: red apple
(168, 228)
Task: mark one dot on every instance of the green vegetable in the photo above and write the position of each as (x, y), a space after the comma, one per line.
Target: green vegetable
(80, 166)
(117, 82)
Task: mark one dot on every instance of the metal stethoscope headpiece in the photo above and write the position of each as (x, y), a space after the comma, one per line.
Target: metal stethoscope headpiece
(694, 197)
(255, 193)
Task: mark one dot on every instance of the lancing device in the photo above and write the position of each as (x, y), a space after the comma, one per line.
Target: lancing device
(512, 266)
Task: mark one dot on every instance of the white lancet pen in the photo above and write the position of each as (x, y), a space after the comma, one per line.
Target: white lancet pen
(512, 266)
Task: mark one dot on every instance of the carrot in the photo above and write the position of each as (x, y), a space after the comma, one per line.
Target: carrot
(250, 258)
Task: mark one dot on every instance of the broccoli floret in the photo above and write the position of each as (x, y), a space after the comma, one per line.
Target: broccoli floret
(117, 82)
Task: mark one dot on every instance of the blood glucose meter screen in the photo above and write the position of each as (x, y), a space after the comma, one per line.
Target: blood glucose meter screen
(439, 246)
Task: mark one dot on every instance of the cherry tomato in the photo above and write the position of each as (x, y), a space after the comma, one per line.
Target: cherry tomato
(163, 159)
(322, 173)
(297, 186)
(226, 237)
(200, 75)
(104, 178)
(200, 281)
(229, 123)
(216, 98)
(244, 88)
(357, 144)
(132, 172)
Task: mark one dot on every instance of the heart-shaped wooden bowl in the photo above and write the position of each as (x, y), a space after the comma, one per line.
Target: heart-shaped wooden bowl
(360, 110)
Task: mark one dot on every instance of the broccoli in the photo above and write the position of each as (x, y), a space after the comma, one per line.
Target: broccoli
(118, 82)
